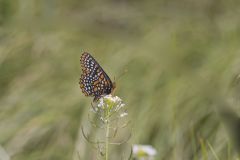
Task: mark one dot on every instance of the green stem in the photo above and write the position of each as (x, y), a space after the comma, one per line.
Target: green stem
(107, 135)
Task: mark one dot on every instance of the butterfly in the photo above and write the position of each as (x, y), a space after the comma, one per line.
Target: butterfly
(94, 81)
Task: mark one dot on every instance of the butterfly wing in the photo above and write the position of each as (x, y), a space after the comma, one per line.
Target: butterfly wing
(93, 81)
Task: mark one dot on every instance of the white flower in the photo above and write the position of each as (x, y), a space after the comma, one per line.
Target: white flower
(113, 99)
(119, 106)
(123, 114)
(144, 152)
(100, 103)
(108, 105)
(110, 101)
(3, 154)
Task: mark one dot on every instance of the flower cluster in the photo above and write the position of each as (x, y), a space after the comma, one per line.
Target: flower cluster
(144, 152)
(108, 115)
(110, 105)
(110, 101)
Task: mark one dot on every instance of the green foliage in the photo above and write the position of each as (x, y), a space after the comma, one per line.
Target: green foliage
(182, 59)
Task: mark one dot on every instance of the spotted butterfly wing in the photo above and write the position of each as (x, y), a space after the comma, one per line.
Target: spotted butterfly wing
(94, 81)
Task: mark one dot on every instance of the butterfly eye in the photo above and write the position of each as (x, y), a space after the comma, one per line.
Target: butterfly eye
(94, 81)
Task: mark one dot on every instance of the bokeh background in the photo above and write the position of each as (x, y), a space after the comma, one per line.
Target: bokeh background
(181, 88)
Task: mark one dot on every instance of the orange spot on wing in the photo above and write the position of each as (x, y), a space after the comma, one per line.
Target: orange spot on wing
(95, 83)
(106, 83)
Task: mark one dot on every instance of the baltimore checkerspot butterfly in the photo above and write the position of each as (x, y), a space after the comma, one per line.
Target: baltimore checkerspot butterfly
(94, 81)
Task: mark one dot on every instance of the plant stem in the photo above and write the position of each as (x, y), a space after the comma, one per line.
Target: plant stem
(107, 135)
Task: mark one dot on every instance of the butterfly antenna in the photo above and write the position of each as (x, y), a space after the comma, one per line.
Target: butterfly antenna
(115, 79)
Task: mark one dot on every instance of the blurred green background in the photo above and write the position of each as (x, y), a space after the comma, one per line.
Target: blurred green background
(183, 62)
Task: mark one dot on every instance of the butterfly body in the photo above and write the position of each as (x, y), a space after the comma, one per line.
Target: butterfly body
(94, 81)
